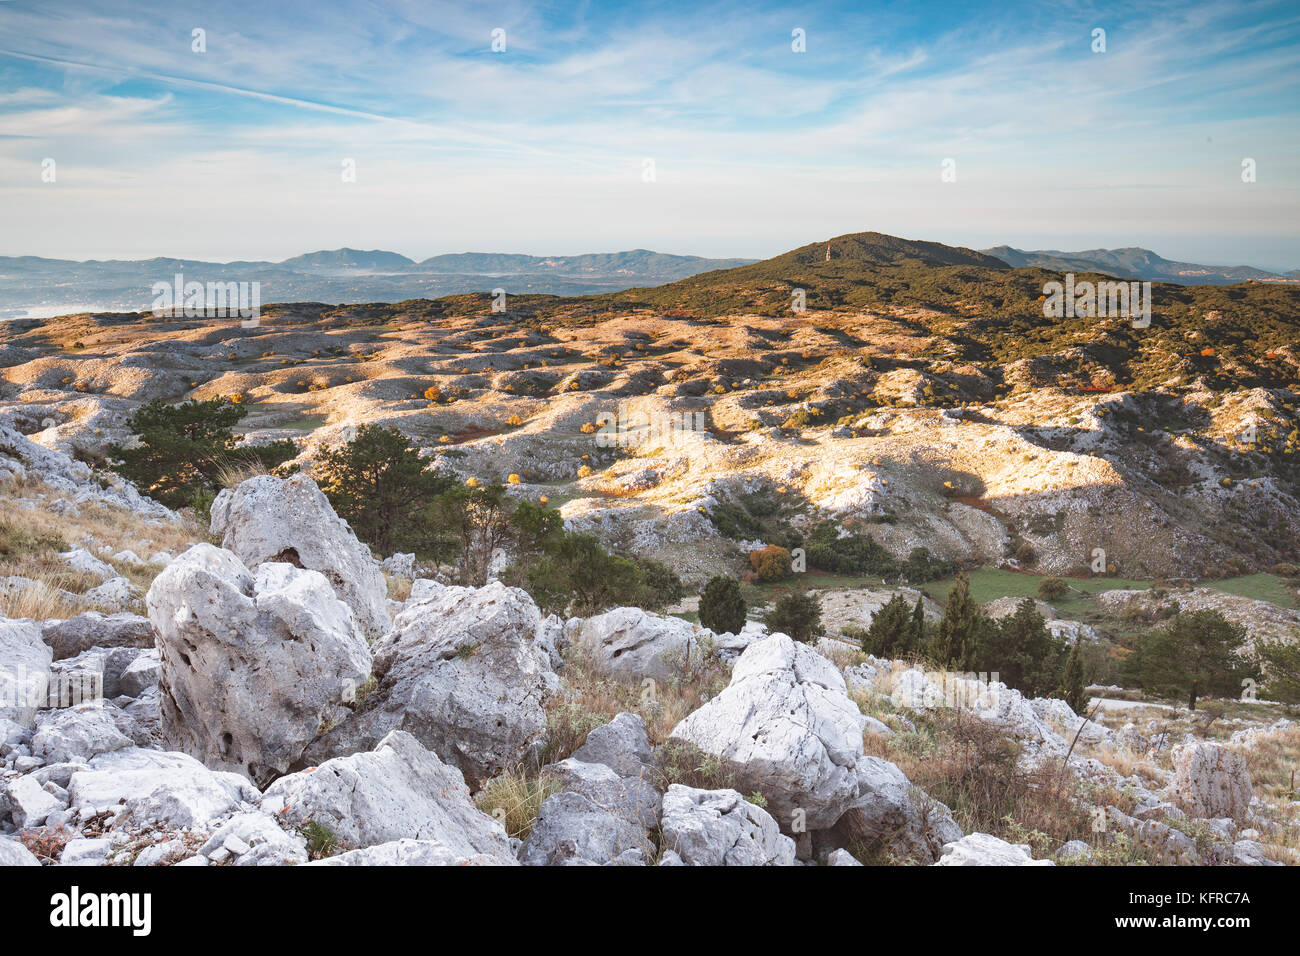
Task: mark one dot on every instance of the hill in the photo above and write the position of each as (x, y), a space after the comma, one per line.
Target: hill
(1133, 262)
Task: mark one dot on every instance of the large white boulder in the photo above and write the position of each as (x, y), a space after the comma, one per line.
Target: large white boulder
(786, 728)
(721, 828)
(75, 734)
(1211, 781)
(24, 671)
(466, 673)
(290, 520)
(572, 829)
(398, 791)
(160, 788)
(412, 853)
(982, 849)
(892, 814)
(632, 644)
(254, 665)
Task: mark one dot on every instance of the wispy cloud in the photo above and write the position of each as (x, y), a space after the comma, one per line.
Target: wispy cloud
(542, 148)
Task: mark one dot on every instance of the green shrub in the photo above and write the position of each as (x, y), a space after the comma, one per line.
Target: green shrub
(379, 485)
(1053, 589)
(799, 615)
(183, 450)
(722, 609)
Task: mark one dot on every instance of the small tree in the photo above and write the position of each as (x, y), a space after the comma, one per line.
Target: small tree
(182, 450)
(1197, 654)
(953, 642)
(1281, 665)
(771, 563)
(476, 521)
(1022, 650)
(799, 615)
(722, 609)
(890, 631)
(917, 628)
(1072, 687)
(379, 485)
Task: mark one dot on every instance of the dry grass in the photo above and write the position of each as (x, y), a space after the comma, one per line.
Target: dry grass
(592, 699)
(233, 473)
(972, 767)
(516, 798)
(46, 598)
(31, 539)
(399, 588)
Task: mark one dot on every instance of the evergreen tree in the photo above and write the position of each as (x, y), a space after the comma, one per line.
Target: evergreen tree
(722, 608)
(182, 450)
(953, 642)
(798, 615)
(1021, 650)
(1281, 664)
(890, 630)
(1197, 654)
(1072, 687)
(916, 629)
(379, 485)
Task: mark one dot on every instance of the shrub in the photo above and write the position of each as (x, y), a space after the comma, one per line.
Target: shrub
(1053, 589)
(798, 615)
(771, 563)
(379, 485)
(722, 609)
(183, 449)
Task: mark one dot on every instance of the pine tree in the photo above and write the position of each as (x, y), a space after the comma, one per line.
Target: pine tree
(953, 641)
(722, 609)
(1072, 688)
(379, 485)
(798, 615)
(182, 450)
(1281, 664)
(890, 628)
(1197, 654)
(916, 629)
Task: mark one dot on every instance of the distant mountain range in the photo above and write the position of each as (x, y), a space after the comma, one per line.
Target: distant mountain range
(37, 287)
(1136, 263)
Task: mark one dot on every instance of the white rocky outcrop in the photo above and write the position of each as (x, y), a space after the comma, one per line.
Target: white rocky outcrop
(633, 644)
(290, 520)
(24, 671)
(1211, 781)
(466, 673)
(721, 828)
(398, 791)
(786, 728)
(254, 665)
(982, 849)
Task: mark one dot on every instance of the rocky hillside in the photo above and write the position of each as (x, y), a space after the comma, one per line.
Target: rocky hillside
(276, 704)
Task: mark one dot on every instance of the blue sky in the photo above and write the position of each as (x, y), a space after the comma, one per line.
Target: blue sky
(237, 152)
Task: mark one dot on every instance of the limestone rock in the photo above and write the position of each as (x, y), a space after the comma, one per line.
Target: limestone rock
(398, 791)
(290, 520)
(721, 828)
(783, 727)
(254, 665)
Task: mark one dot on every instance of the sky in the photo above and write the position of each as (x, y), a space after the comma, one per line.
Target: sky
(692, 128)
